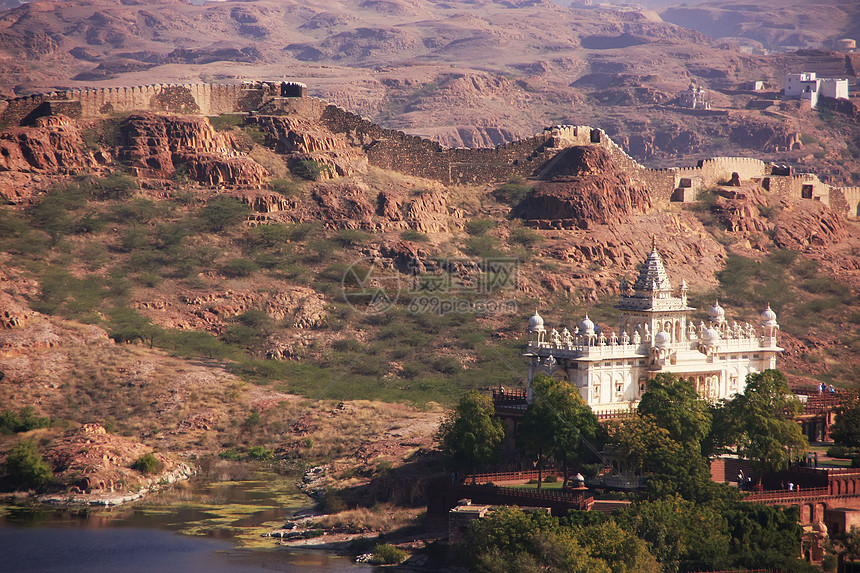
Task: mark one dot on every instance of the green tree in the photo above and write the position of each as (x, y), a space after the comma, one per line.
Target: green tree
(845, 430)
(763, 536)
(471, 434)
(147, 464)
(764, 419)
(222, 212)
(674, 405)
(621, 549)
(682, 535)
(127, 325)
(25, 466)
(560, 424)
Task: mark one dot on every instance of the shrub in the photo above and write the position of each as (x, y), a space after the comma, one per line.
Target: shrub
(479, 227)
(230, 454)
(226, 121)
(236, 268)
(485, 247)
(347, 345)
(25, 466)
(386, 554)
(286, 187)
(841, 452)
(24, 421)
(351, 237)
(331, 502)
(311, 169)
(526, 237)
(300, 231)
(147, 464)
(222, 212)
(512, 192)
(550, 479)
(260, 453)
(115, 186)
(414, 236)
(384, 467)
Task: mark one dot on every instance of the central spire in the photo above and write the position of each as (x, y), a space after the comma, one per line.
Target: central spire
(652, 273)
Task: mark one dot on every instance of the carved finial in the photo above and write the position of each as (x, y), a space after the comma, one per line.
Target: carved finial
(653, 242)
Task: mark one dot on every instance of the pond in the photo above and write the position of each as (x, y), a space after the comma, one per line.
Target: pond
(201, 526)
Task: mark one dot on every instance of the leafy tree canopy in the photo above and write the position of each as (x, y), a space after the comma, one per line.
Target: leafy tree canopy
(559, 424)
(675, 405)
(763, 417)
(845, 430)
(471, 434)
(25, 466)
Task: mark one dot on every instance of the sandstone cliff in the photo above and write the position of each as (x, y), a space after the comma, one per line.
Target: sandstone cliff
(584, 187)
(158, 146)
(28, 155)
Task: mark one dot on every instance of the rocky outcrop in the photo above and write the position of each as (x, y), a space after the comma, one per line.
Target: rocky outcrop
(585, 188)
(96, 465)
(738, 210)
(807, 223)
(301, 307)
(764, 136)
(263, 201)
(52, 147)
(303, 140)
(344, 205)
(427, 211)
(157, 146)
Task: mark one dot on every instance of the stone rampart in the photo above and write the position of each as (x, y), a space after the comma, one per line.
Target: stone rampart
(846, 199)
(197, 98)
(413, 155)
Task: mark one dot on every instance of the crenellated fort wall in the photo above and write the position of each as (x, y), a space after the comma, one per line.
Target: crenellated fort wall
(197, 98)
(413, 155)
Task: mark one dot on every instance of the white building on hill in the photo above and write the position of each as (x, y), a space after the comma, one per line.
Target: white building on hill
(809, 87)
(656, 335)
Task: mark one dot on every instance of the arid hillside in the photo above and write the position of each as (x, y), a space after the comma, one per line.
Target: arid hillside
(243, 283)
(462, 73)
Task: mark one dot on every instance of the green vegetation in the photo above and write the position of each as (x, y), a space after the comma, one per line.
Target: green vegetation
(846, 428)
(311, 169)
(479, 227)
(512, 192)
(227, 121)
(386, 554)
(223, 212)
(147, 464)
(25, 467)
(22, 421)
(662, 531)
(286, 187)
(471, 434)
(762, 422)
(558, 425)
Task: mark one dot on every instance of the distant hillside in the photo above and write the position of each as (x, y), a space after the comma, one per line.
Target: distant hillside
(464, 74)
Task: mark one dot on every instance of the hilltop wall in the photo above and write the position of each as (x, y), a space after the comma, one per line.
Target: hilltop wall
(198, 98)
(413, 155)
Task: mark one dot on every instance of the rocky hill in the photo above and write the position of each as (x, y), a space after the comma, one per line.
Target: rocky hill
(211, 268)
(465, 73)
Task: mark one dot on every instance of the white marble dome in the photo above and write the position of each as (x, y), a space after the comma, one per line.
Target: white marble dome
(768, 317)
(712, 336)
(536, 323)
(586, 327)
(717, 313)
(662, 339)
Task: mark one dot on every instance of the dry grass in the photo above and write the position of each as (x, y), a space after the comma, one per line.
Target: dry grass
(380, 519)
(271, 161)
